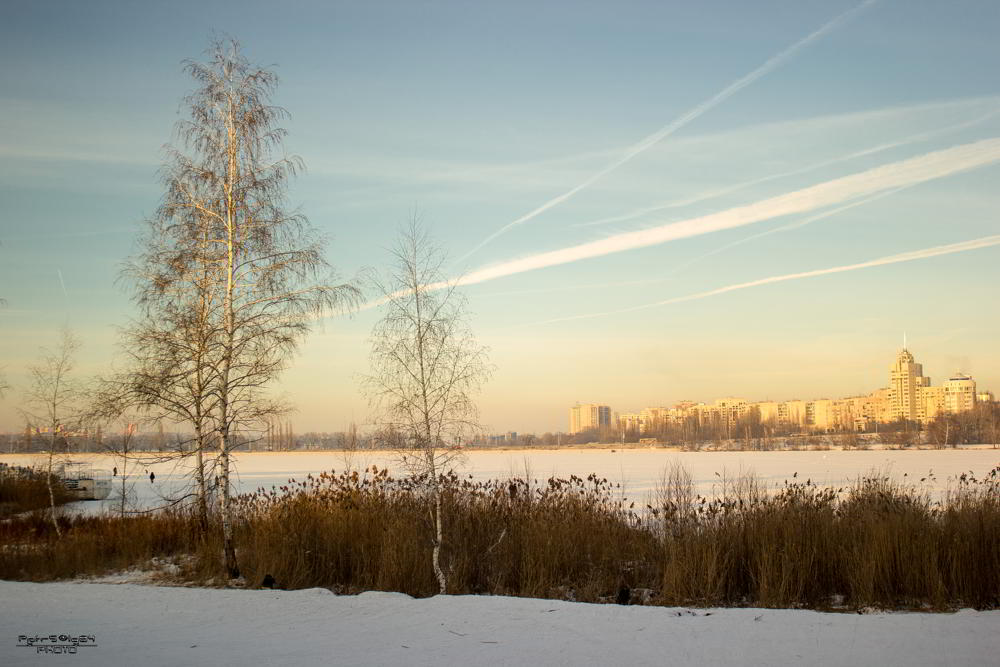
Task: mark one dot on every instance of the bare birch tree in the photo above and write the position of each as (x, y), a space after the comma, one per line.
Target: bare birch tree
(425, 367)
(53, 401)
(247, 275)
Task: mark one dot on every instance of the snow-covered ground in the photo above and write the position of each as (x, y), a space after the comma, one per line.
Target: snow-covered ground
(638, 470)
(147, 625)
(150, 625)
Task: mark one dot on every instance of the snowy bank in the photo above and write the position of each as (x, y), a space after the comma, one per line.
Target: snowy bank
(149, 625)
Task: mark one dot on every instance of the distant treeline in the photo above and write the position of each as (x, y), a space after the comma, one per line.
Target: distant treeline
(978, 426)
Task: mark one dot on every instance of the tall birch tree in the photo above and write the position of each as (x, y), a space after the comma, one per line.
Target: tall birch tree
(237, 276)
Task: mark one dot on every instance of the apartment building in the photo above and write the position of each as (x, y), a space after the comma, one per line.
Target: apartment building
(906, 379)
(959, 393)
(587, 416)
(630, 421)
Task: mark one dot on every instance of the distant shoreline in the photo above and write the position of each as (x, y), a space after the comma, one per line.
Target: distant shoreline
(593, 447)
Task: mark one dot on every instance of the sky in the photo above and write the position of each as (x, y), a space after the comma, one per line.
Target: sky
(643, 202)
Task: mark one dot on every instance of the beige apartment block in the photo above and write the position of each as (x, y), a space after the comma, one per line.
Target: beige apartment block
(934, 403)
(853, 411)
(959, 393)
(768, 411)
(795, 412)
(652, 419)
(881, 405)
(731, 409)
(822, 414)
(684, 409)
(588, 416)
(630, 421)
(798, 413)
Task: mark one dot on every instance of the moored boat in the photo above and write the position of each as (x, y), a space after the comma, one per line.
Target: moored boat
(85, 483)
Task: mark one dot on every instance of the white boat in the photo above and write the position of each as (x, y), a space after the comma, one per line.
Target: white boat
(85, 483)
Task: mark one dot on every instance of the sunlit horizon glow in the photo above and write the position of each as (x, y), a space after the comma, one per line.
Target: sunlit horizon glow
(723, 200)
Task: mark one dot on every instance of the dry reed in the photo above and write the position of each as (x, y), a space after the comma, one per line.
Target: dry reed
(876, 544)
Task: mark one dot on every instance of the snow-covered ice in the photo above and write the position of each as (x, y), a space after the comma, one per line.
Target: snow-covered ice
(638, 470)
(148, 625)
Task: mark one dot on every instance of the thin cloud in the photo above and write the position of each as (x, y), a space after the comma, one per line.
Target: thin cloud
(372, 176)
(70, 235)
(19, 153)
(667, 130)
(926, 253)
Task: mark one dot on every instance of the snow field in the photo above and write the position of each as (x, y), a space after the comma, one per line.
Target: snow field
(156, 626)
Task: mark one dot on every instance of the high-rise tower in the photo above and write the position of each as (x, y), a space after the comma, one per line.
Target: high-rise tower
(906, 379)
(588, 416)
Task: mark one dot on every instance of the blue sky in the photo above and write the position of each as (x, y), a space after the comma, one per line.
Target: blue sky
(476, 114)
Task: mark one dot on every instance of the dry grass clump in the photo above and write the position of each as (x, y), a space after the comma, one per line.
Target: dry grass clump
(739, 548)
(878, 543)
(25, 489)
(96, 545)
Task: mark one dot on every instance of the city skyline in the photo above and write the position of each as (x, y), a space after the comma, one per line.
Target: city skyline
(908, 395)
(647, 202)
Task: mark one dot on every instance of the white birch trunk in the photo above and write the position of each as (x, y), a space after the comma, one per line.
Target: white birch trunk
(52, 494)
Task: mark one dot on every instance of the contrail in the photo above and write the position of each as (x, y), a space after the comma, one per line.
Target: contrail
(63, 283)
(784, 228)
(926, 253)
(718, 192)
(683, 120)
(912, 171)
(715, 251)
(891, 176)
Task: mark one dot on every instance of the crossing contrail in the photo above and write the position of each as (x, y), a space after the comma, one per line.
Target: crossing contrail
(912, 171)
(664, 132)
(890, 176)
(715, 251)
(725, 190)
(784, 228)
(926, 253)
